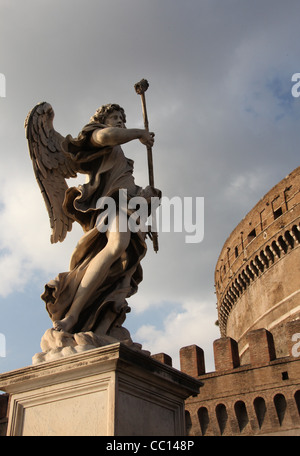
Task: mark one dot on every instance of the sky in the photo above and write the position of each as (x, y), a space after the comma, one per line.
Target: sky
(226, 129)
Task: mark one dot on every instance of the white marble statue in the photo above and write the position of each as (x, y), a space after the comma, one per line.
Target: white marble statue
(88, 303)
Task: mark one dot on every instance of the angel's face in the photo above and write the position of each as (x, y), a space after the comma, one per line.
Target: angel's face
(115, 119)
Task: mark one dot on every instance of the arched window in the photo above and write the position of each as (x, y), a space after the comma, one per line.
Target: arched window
(260, 410)
(188, 423)
(280, 405)
(203, 419)
(222, 417)
(297, 399)
(241, 414)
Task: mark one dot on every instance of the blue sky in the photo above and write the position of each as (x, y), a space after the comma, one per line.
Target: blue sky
(226, 124)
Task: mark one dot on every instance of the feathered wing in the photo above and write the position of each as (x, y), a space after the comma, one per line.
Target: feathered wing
(51, 166)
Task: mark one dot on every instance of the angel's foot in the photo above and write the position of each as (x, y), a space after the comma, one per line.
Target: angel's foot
(65, 324)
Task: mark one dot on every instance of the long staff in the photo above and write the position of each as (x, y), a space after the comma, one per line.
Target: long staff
(140, 88)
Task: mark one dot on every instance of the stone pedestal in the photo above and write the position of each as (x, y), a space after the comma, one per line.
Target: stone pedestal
(108, 391)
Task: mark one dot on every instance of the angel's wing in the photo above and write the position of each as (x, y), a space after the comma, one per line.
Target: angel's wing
(51, 166)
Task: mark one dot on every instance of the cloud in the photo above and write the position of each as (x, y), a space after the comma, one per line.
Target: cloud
(193, 324)
(25, 236)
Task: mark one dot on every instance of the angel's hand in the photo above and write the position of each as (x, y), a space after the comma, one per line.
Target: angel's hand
(147, 138)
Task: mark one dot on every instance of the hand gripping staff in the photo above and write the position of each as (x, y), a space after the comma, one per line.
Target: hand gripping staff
(140, 88)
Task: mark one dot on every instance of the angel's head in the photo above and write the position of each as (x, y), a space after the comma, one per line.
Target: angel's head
(103, 114)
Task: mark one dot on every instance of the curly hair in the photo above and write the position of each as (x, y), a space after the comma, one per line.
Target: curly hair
(104, 111)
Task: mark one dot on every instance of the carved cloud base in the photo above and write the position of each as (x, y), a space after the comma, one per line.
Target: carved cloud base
(108, 391)
(59, 344)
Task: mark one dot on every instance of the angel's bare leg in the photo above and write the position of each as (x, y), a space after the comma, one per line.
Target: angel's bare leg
(96, 273)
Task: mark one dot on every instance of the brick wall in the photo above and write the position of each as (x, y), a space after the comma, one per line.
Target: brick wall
(259, 398)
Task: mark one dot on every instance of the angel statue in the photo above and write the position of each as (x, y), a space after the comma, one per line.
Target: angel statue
(88, 303)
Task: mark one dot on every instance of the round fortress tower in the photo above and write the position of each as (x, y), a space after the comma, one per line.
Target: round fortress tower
(257, 276)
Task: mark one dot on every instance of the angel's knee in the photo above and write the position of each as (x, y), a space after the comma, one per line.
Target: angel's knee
(118, 243)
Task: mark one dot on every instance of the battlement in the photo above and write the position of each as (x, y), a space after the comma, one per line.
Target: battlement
(258, 398)
(226, 354)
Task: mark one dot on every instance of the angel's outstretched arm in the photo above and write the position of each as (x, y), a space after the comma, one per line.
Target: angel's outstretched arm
(113, 136)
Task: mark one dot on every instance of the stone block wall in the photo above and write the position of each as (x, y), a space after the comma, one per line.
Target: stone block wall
(259, 398)
(257, 272)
